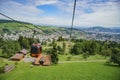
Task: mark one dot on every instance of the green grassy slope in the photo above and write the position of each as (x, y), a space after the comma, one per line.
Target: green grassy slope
(8, 26)
(68, 71)
(14, 26)
(48, 27)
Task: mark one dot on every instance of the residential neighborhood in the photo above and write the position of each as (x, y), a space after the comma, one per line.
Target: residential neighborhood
(102, 36)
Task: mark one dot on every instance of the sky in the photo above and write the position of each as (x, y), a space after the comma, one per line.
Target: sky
(89, 13)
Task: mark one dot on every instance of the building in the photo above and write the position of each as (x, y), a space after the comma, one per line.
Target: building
(17, 57)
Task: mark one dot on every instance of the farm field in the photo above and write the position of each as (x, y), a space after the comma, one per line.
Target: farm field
(64, 71)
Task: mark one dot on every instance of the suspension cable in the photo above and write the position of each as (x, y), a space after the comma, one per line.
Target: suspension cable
(72, 19)
(19, 22)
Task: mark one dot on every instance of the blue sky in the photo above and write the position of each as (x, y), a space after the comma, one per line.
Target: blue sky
(89, 13)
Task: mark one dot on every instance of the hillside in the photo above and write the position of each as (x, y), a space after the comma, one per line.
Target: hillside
(8, 26)
(12, 25)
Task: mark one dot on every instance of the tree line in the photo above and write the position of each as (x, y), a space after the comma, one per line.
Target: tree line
(10, 47)
(92, 47)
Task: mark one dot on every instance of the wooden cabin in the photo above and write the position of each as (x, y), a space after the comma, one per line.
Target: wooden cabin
(47, 60)
(17, 57)
(24, 51)
(36, 51)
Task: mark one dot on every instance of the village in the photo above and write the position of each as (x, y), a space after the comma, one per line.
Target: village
(30, 34)
(103, 36)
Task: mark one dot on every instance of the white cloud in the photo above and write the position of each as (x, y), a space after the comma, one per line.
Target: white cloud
(44, 2)
(19, 11)
(102, 13)
(107, 19)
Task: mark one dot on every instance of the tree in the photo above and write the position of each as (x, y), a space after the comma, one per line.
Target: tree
(85, 55)
(60, 50)
(106, 52)
(24, 42)
(1, 42)
(94, 47)
(64, 47)
(32, 40)
(76, 49)
(113, 44)
(9, 48)
(44, 43)
(60, 38)
(1, 69)
(53, 52)
(53, 42)
(115, 57)
(54, 55)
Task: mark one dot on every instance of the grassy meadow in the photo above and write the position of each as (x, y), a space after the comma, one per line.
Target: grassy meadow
(67, 69)
(64, 71)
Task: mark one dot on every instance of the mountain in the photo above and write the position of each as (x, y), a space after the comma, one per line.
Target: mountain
(101, 29)
(98, 29)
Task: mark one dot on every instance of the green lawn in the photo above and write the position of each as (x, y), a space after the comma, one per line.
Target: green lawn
(68, 71)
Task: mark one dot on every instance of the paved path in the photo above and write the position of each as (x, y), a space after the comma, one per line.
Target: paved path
(30, 59)
(82, 61)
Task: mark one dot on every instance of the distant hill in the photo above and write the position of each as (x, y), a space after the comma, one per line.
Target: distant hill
(101, 29)
(10, 21)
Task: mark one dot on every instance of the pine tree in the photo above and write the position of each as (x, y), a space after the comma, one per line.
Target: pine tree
(54, 54)
(64, 47)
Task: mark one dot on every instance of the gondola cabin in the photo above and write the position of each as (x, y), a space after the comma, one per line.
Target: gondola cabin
(36, 50)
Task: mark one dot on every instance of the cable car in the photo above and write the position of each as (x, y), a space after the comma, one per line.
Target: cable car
(36, 51)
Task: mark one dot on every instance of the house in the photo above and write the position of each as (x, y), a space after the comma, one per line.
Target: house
(17, 57)
(23, 51)
(47, 60)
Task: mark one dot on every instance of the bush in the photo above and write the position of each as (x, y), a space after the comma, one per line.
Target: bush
(106, 52)
(69, 58)
(1, 69)
(85, 55)
(115, 57)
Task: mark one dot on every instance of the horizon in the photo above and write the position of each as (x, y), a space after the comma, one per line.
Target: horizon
(89, 13)
(66, 26)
